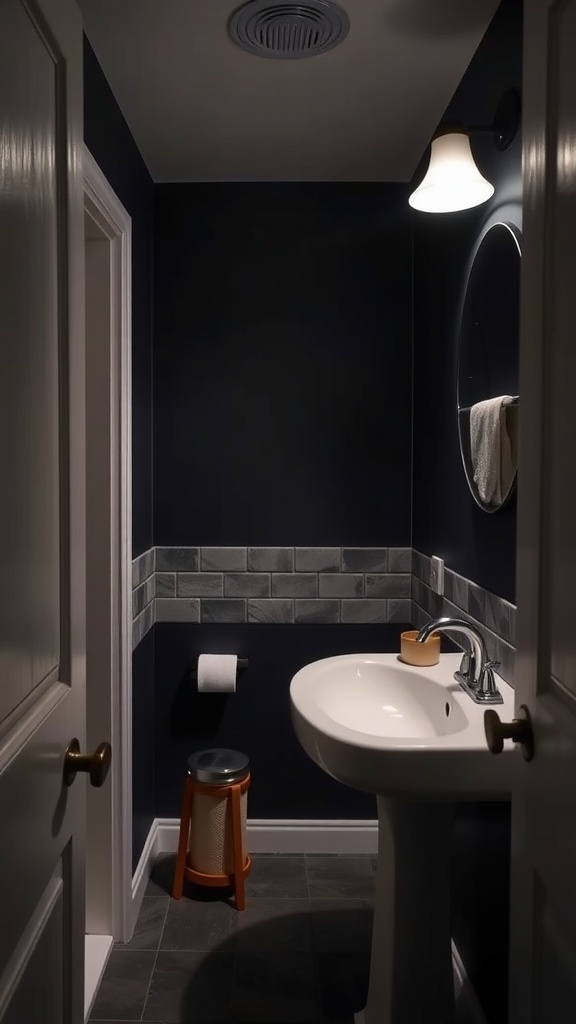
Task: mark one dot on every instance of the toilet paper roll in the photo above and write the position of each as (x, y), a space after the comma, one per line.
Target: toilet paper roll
(217, 673)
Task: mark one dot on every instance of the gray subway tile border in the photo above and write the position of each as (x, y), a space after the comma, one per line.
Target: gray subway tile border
(388, 585)
(143, 566)
(177, 609)
(318, 559)
(142, 596)
(316, 611)
(246, 584)
(200, 584)
(465, 599)
(477, 599)
(220, 559)
(295, 584)
(340, 585)
(165, 584)
(270, 560)
(282, 584)
(364, 559)
(222, 610)
(368, 610)
(399, 609)
(421, 566)
(176, 559)
(143, 623)
(271, 610)
(400, 560)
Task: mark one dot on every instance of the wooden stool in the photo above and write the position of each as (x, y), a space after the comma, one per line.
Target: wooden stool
(224, 775)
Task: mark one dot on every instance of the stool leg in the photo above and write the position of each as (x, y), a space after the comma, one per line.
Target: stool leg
(183, 841)
(237, 847)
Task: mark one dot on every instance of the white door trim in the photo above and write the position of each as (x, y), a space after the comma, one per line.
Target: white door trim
(106, 209)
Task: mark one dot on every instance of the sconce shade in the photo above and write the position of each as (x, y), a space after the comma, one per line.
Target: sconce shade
(452, 181)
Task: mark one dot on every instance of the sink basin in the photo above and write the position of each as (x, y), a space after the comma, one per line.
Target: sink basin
(385, 727)
(414, 738)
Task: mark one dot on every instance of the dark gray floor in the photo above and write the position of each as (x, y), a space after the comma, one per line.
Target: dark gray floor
(299, 952)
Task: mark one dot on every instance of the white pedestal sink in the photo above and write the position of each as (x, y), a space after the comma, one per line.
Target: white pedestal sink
(416, 740)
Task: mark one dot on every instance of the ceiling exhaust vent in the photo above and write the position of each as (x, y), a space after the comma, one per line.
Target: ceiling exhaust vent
(274, 28)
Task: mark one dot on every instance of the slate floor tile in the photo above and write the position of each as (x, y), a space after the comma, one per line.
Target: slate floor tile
(340, 878)
(341, 926)
(342, 984)
(190, 987)
(162, 876)
(274, 926)
(124, 987)
(276, 988)
(148, 926)
(277, 878)
(198, 926)
(285, 959)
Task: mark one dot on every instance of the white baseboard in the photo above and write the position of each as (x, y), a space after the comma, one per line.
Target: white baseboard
(266, 835)
(142, 874)
(295, 836)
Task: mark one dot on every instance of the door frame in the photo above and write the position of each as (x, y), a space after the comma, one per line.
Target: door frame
(104, 207)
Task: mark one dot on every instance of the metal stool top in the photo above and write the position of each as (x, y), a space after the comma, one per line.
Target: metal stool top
(218, 766)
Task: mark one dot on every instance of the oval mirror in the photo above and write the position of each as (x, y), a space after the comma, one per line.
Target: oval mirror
(487, 367)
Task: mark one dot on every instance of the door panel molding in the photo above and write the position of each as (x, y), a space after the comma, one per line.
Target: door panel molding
(33, 933)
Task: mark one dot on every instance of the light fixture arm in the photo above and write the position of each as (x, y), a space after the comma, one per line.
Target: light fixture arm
(453, 182)
(506, 121)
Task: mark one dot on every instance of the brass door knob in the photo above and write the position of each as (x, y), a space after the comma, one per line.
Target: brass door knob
(97, 764)
(519, 731)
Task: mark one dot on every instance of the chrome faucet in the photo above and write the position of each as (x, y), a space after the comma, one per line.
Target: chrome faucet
(476, 672)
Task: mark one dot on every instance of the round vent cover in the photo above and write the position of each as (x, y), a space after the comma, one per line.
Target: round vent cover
(274, 28)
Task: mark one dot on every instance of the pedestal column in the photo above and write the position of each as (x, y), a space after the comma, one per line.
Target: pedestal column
(411, 979)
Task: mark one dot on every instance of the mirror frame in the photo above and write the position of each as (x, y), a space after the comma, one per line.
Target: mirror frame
(516, 235)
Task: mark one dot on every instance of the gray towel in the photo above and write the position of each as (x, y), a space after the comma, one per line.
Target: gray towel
(492, 451)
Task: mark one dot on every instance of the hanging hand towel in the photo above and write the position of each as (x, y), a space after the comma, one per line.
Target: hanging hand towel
(493, 464)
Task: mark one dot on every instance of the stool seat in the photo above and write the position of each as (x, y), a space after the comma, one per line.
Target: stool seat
(223, 774)
(218, 767)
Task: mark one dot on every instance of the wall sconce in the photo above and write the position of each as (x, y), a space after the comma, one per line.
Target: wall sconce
(453, 181)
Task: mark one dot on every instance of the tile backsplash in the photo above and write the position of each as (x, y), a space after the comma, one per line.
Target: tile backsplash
(310, 585)
(466, 600)
(271, 584)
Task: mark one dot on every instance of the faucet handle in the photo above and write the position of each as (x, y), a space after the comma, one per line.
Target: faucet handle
(487, 690)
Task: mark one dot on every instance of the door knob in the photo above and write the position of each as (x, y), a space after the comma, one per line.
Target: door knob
(97, 764)
(519, 730)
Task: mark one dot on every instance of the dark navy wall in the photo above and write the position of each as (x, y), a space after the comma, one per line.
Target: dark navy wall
(282, 364)
(447, 521)
(282, 416)
(255, 719)
(109, 140)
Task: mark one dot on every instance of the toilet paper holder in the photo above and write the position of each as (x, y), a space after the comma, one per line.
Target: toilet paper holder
(241, 662)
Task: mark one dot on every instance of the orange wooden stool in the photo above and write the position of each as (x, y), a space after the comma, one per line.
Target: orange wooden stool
(214, 773)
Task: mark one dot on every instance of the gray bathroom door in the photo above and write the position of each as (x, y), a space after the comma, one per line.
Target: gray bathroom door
(543, 900)
(42, 546)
